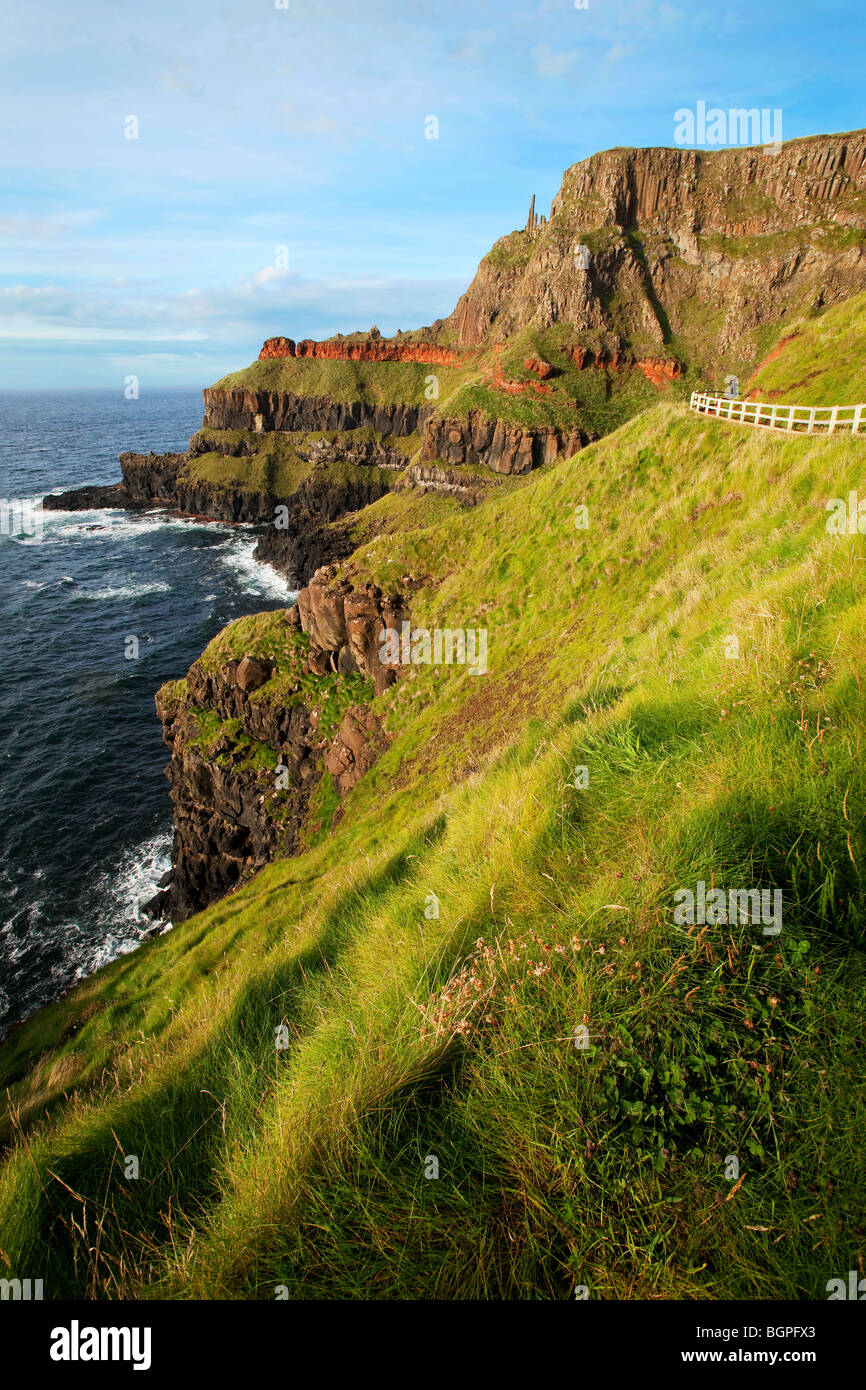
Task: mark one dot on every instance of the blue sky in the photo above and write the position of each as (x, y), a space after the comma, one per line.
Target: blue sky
(304, 128)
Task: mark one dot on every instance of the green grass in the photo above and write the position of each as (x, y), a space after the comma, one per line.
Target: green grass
(276, 470)
(820, 361)
(444, 1027)
(381, 383)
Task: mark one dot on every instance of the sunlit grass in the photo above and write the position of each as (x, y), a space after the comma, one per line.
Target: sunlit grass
(444, 1026)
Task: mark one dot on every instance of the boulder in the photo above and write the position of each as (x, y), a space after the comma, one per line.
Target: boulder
(253, 673)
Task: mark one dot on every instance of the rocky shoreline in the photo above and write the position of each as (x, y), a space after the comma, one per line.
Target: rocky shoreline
(296, 545)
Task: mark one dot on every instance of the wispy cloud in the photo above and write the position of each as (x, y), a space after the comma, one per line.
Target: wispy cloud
(305, 127)
(550, 64)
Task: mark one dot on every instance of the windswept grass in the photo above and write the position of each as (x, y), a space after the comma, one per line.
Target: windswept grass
(698, 650)
(820, 361)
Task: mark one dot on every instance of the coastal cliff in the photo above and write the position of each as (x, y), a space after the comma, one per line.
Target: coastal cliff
(643, 244)
(277, 703)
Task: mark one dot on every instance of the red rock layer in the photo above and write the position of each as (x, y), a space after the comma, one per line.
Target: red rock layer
(658, 370)
(368, 350)
(538, 365)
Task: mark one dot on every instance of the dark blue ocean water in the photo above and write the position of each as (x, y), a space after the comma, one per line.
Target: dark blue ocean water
(85, 819)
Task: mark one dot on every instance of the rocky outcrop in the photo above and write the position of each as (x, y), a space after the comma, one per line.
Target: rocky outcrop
(248, 751)
(152, 476)
(309, 537)
(241, 408)
(429, 477)
(672, 232)
(88, 499)
(231, 817)
(160, 480)
(163, 480)
(494, 444)
(359, 742)
(306, 546)
(365, 453)
(361, 350)
(658, 370)
(147, 479)
(345, 625)
(542, 369)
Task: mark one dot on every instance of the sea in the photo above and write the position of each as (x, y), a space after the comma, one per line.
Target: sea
(97, 610)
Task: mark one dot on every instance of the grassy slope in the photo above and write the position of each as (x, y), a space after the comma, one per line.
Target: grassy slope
(821, 361)
(275, 468)
(596, 400)
(415, 1035)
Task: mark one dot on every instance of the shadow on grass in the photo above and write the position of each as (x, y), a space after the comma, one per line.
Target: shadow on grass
(179, 1129)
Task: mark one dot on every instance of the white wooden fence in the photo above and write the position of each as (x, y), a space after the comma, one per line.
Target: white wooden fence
(792, 419)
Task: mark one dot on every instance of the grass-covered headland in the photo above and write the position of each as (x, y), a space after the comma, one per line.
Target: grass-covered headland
(510, 1068)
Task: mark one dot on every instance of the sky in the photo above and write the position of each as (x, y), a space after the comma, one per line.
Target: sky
(283, 179)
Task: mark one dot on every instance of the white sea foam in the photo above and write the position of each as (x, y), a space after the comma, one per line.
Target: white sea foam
(125, 591)
(121, 893)
(104, 524)
(255, 578)
(136, 876)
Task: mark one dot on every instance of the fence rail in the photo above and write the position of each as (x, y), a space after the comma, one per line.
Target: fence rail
(790, 419)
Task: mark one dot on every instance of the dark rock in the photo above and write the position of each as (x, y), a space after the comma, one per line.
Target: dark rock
(241, 408)
(494, 444)
(87, 499)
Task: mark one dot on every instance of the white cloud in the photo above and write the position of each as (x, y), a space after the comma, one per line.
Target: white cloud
(471, 47)
(241, 314)
(24, 226)
(269, 273)
(550, 64)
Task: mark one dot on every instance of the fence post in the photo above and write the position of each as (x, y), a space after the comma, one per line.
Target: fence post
(834, 416)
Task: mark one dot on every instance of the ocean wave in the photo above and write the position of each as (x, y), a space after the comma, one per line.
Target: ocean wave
(125, 591)
(39, 527)
(120, 895)
(255, 578)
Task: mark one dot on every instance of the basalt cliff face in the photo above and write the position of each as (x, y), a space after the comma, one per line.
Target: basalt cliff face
(260, 411)
(493, 444)
(231, 815)
(252, 737)
(745, 235)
